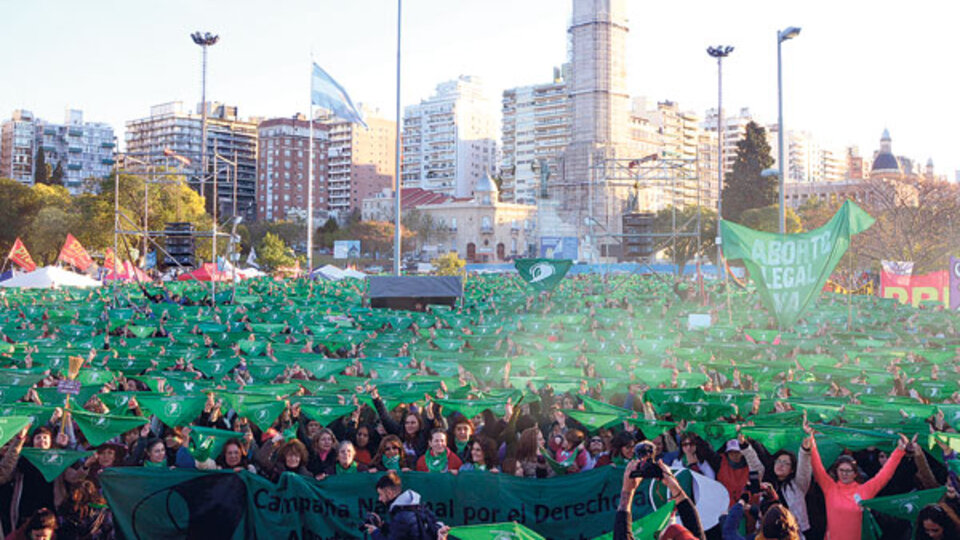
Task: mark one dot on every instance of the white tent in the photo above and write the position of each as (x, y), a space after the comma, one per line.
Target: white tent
(49, 277)
(328, 272)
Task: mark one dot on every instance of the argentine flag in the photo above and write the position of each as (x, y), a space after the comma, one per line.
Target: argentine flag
(327, 93)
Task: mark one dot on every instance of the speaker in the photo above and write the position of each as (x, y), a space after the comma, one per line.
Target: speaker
(638, 240)
(180, 245)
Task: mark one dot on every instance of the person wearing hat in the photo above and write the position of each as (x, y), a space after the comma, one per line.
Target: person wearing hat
(736, 463)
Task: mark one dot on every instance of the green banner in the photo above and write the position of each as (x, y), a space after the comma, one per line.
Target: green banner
(543, 274)
(189, 503)
(790, 270)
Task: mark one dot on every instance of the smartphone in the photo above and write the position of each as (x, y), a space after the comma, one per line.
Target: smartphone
(753, 486)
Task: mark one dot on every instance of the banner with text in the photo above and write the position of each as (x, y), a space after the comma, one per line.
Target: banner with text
(790, 270)
(913, 290)
(196, 504)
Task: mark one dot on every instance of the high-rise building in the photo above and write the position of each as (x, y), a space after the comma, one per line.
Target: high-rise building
(449, 140)
(231, 150)
(18, 147)
(283, 166)
(360, 161)
(535, 126)
(734, 130)
(687, 152)
(83, 150)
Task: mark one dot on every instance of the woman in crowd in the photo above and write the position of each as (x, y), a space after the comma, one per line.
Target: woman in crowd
(84, 515)
(844, 493)
(365, 441)
(790, 476)
(233, 457)
(938, 522)
(414, 434)
(531, 462)
(696, 455)
(346, 459)
(482, 455)
(323, 459)
(290, 456)
(390, 456)
(31, 491)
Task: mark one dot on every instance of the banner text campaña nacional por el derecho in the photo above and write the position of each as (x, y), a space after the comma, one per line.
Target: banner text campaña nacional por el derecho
(186, 503)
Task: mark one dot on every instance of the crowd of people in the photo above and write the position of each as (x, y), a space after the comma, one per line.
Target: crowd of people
(760, 438)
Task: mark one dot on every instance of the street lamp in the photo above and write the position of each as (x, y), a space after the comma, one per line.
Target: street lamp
(782, 35)
(204, 40)
(719, 52)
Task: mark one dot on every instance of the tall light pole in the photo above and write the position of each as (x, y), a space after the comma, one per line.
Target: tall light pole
(782, 35)
(397, 204)
(205, 40)
(719, 52)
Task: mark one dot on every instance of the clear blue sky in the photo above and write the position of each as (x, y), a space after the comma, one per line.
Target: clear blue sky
(857, 68)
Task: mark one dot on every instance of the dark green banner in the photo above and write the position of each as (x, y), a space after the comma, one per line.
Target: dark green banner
(189, 503)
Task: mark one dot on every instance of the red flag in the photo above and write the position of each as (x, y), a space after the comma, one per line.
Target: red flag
(20, 256)
(182, 159)
(109, 259)
(72, 252)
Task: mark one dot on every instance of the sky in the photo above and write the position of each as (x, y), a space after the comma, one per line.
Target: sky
(857, 67)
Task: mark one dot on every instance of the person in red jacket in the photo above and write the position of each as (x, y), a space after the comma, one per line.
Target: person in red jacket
(842, 495)
(439, 458)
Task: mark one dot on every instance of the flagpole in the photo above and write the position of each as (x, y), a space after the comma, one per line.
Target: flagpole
(310, 179)
(396, 169)
(116, 228)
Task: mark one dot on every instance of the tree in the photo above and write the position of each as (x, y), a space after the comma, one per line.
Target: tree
(449, 264)
(768, 219)
(273, 253)
(422, 225)
(816, 212)
(41, 172)
(684, 248)
(745, 187)
(56, 178)
(48, 232)
(374, 236)
(19, 205)
(917, 220)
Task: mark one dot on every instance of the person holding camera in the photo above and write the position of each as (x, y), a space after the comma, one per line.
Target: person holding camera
(409, 520)
(646, 466)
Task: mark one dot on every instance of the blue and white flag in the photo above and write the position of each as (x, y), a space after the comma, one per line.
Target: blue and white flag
(151, 260)
(252, 258)
(327, 93)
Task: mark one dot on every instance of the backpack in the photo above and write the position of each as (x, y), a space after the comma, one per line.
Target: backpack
(427, 525)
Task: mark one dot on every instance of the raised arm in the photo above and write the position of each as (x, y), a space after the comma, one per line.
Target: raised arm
(875, 484)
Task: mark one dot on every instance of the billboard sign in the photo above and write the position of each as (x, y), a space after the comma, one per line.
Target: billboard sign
(346, 249)
(559, 247)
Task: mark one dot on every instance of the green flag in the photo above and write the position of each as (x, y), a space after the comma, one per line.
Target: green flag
(904, 506)
(10, 426)
(173, 411)
(594, 420)
(543, 274)
(51, 463)
(100, 428)
(494, 531)
(208, 442)
(649, 526)
(790, 270)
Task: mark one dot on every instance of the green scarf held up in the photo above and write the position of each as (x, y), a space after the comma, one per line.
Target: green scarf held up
(436, 463)
(151, 465)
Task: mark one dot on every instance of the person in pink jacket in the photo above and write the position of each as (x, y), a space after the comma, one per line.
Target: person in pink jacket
(842, 495)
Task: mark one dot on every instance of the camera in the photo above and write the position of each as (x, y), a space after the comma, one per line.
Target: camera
(371, 519)
(648, 467)
(753, 486)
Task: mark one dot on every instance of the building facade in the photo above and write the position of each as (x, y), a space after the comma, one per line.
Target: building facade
(283, 169)
(18, 147)
(360, 161)
(84, 150)
(449, 139)
(535, 130)
(231, 151)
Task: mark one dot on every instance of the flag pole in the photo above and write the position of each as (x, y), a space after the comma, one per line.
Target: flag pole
(396, 169)
(310, 179)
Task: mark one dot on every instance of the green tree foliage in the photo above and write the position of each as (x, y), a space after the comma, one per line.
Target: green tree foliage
(745, 188)
(56, 177)
(449, 264)
(768, 219)
(48, 233)
(273, 253)
(41, 170)
(684, 248)
(19, 205)
(292, 234)
(422, 225)
(816, 212)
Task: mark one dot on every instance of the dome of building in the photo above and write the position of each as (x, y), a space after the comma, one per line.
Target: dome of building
(885, 161)
(486, 185)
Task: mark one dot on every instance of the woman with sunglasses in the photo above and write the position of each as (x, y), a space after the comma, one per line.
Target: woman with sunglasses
(843, 494)
(390, 456)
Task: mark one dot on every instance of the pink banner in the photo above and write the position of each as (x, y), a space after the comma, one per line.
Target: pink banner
(915, 289)
(954, 283)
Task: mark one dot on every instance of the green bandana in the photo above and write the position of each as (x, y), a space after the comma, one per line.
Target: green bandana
(436, 463)
(149, 464)
(392, 463)
(460, 446)
(51, 463)
(351, 469)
